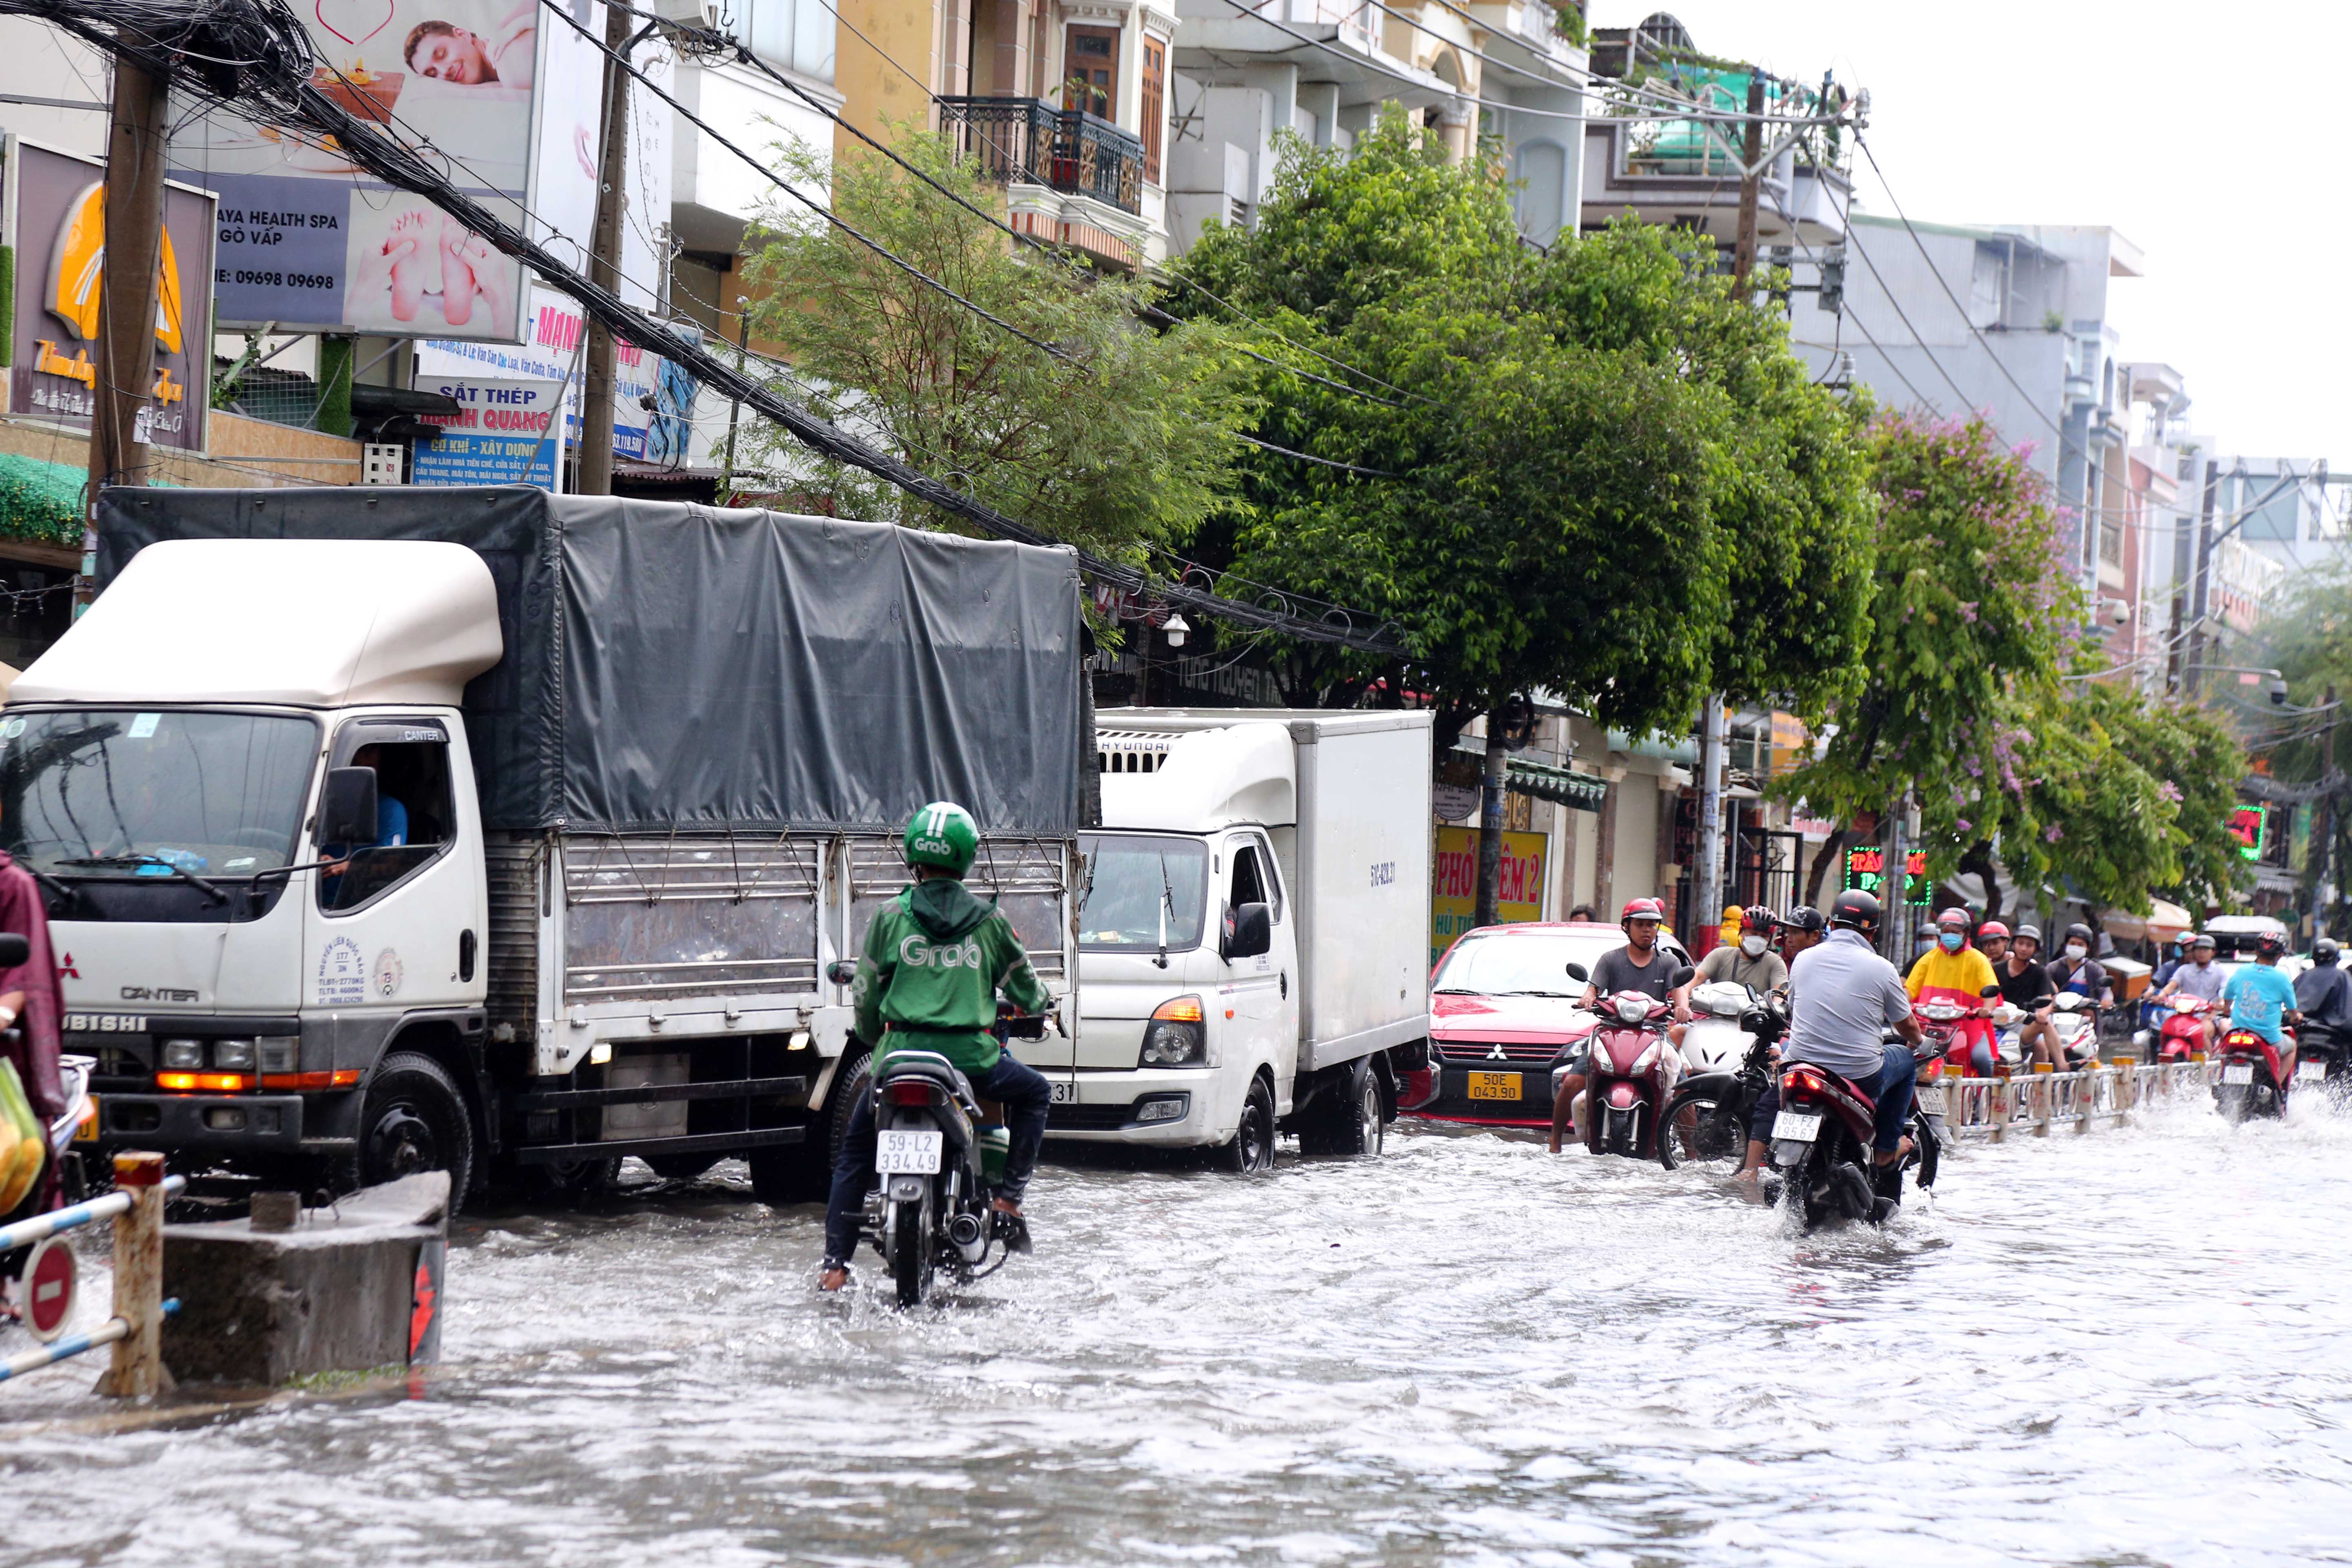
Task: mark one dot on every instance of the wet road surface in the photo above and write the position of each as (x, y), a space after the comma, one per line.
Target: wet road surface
(2134, 1346)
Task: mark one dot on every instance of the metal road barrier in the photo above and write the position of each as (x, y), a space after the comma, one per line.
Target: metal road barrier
(135, 1329)
(2031, 1104)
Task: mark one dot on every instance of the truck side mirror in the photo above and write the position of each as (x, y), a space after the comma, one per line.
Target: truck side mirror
(1578, 972)
(1252, 933)
(14, 949)
(347, 808)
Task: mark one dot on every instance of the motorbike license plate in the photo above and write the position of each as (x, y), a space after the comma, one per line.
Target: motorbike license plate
(1930, 1099)
(909, 1153)
(1799, 1126)
(1066, 1094)
(2310, 1072)
(2238, 1072)
(1493, 1086)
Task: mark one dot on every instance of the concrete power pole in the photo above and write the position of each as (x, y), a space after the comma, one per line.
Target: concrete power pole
(604, 262)
(126, 300)
(1710, 821)
(1743, 255)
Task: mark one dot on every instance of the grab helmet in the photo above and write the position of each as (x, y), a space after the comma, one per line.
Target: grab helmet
(943, 836)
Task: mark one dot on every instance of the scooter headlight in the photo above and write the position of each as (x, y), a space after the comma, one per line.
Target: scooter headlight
(1649, 1058)
(1631, 1009)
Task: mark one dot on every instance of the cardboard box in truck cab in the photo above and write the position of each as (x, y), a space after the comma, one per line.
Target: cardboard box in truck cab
(486, 828)
(1253, 939)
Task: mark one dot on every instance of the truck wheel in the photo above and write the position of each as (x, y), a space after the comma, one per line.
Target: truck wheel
(1251, 1151)
(802, 1173)
(1348, 1121)
(415, 1119)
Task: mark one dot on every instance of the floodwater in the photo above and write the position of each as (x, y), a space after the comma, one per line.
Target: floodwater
(2134, 1346)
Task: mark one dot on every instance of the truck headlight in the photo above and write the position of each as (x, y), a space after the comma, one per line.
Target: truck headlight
(279, 1053)
(233, 1056)
(1178, 1035)
(184, 1054)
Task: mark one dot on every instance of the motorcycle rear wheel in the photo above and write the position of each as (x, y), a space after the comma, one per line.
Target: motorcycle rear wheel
(910, 1251)
(1717, 1129)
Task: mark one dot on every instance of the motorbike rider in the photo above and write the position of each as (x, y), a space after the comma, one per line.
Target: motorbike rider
(1842, 997)
(2025, 985)
(935, 958)
(2262, 999)
(2322, 994)
(1639, 965)
(1955, 971)
(2201, 977)
(1802, 929)
(1753, 963)
(2075, 970)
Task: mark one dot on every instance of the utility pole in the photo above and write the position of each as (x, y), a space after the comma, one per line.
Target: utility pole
(1710, 820)
(1743, 255)
(1895, 908)
(2192, 676)
(126, 300)
(1490, 818)
(605, 259)
(2323, 824)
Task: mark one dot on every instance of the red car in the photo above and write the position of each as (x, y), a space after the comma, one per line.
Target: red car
(1504, 1016)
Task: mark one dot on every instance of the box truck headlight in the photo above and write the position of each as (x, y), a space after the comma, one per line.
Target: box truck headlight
(1178, 1035)
(279, 1052)
(233, 1056)
(184, 1054)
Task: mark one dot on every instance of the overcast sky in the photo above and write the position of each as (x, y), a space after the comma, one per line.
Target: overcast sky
(2211, 136)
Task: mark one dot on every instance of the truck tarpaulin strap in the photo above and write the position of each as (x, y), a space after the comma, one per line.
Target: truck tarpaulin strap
(671, 665)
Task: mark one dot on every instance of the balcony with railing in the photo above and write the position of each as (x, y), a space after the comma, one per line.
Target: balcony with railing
(1024, 141)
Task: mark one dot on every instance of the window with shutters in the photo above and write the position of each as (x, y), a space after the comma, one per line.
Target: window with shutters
(1155, 66)
(1091, 71)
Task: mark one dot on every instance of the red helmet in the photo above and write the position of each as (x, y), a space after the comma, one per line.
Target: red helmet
(1643, 910)
(1757, 916)
(1991, 929)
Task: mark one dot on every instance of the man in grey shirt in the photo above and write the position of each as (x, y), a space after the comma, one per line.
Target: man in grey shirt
(1842, 998)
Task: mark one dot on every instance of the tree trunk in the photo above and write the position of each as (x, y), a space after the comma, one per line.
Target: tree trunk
(1832, 852)
(1490, 819)
(1978, 861)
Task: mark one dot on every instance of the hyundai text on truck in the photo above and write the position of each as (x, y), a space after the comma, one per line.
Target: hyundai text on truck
(510, 834)
(1253, 939)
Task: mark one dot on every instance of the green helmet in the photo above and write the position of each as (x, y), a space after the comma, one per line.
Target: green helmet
(942, 834)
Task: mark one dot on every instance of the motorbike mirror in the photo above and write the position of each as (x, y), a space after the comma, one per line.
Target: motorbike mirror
(1682, 976)
(841, 972)
(14, 949)
(1989, 991)
(1578, 972)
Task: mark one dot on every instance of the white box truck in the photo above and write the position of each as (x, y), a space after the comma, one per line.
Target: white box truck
(1254, 936)
(483, 829)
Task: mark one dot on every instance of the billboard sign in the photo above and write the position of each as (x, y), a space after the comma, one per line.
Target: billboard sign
(56, 225)
(653, 401)
(2250, 824)
(1454, 891)
(498, 437)
(1865, 868)
(309, 242)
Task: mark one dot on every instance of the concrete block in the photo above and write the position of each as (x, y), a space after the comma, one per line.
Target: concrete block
(348, 1289)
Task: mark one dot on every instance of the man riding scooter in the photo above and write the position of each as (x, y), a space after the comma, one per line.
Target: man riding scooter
(934, 960)
(1954, 973)
(1843, 996)
(2025, 985)
(2262, 999)
(2322, 995)
(2199, 978)
(1639, 965)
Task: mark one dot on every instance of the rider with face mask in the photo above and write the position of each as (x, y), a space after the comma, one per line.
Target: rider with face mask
(1954, 971)
(1753, 963)
(2075, 970)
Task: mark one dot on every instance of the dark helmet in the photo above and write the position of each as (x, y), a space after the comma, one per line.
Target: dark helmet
(2324, 951)
(1806, 918)
(1856, 910)
(2270, 945)
(2079, 930)
(1756, 917)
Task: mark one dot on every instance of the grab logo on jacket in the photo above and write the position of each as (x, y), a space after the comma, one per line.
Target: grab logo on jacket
(921, 954)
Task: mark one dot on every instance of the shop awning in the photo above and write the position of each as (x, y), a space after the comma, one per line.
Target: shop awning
(2162, 923)
(1561, 786)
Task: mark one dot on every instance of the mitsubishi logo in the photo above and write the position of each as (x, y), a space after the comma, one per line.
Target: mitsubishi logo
(1497, 1054)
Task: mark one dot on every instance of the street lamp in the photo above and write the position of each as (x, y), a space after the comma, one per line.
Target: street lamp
(2276, 685)
(1176, 628)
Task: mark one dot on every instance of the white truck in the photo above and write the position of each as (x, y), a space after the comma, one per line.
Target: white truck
(492, 831)
(1253, 939)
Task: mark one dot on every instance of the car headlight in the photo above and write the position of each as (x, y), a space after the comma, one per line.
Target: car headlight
(1178, 1035)
(1632, 1009)
(233, 1056)
(184, 1054)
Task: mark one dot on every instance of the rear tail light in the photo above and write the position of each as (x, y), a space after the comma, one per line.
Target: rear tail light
(910, 1092)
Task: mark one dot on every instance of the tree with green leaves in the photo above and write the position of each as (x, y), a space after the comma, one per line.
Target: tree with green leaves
(1125, 440)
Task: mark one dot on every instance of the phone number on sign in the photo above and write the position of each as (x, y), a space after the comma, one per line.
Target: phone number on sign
(276, 279)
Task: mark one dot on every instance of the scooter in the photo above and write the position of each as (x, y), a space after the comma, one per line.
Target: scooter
(41, 1279)
(1821, 1149)
(2323, 1059)
(1715, 1040)
(1633, 1072)
(2075, 1019)
(1708, 1116)
(2179, 1035)
(2249, 1083)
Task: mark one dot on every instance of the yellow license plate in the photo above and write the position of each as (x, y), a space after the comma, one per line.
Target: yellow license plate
(86, 1130)
(1493, 1086)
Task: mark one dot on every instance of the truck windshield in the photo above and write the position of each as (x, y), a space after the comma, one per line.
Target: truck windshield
(112, 792)
(1128, 881)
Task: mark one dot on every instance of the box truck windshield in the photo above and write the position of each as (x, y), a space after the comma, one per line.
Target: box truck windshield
(1142, 893)
(111, 792)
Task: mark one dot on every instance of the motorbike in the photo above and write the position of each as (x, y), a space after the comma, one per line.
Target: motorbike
(49, 1264)
(2323, 1059)
(938, 1150)
(2075, 1017)
(1632, 1073)
(2248, 1084)
(1820, 1150)
(1715, 1040)
(2180, 1033)
(1708, 1117)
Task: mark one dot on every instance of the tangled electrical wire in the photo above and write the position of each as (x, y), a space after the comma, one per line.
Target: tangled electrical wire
(254, 58)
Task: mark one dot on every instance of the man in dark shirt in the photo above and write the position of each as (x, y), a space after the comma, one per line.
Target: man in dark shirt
(2322, 994)
(2025, 985)
(1640, 965)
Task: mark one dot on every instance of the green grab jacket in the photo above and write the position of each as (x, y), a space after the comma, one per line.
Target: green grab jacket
(935, 958)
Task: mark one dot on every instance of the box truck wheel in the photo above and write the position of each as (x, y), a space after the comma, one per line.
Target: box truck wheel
(1251, 1151)
(414, 1120)
(802, 1173)
(1346, 1117)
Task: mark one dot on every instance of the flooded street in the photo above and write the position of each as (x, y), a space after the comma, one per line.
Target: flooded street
(2130, 1347)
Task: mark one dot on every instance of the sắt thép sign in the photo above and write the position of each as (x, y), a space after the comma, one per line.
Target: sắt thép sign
(56, 225)
(500, 435)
